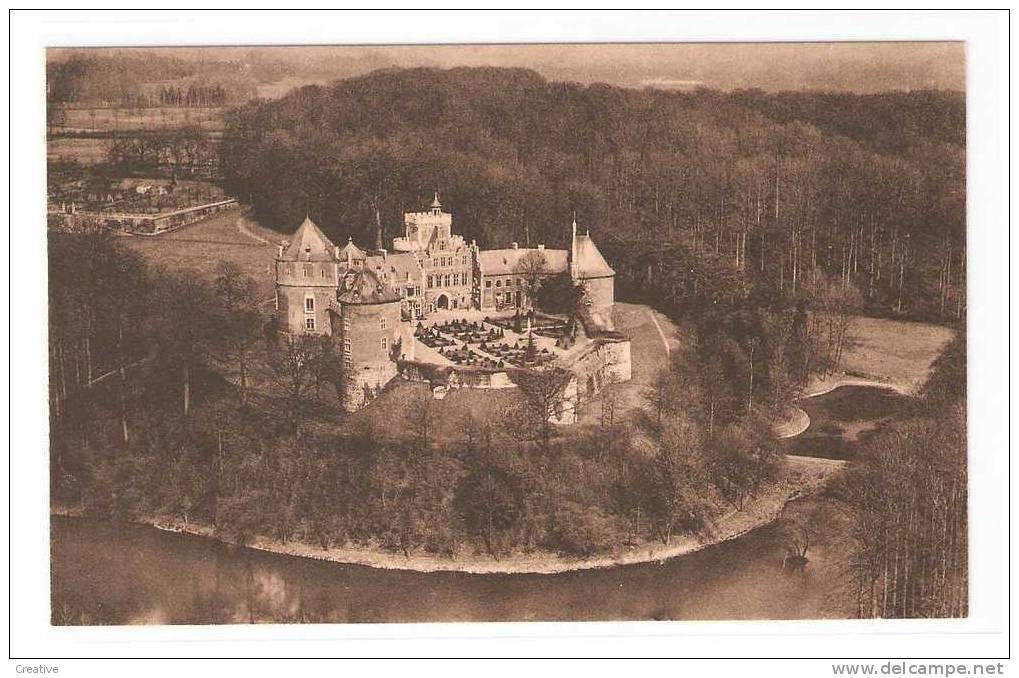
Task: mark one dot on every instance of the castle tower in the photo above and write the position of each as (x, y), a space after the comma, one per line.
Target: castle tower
(589, 268)
(446, 260)
(368, 333)
(305, 278)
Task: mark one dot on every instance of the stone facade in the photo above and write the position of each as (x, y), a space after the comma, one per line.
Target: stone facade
(446, 261)
(369, 338)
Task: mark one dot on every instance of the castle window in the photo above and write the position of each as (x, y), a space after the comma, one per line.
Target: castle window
(322, 273)
(309, 304)
(385, 344)
(447, 281)
(347, 362)
(498, 283)
(382, 323)
(429, 281)
(307, 271)
(346, 347)
(488, 283)
(465, 260)
(309, 324)
(346, 329)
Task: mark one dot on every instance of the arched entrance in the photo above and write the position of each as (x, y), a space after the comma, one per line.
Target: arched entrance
(442, 302)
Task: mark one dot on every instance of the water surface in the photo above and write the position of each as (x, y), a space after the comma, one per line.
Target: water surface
(109, 573)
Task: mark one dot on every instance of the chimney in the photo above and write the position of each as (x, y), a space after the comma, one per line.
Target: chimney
(279, 252)
(336, 252)
(514, 245)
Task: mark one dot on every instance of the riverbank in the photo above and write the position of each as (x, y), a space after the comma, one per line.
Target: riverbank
(799, 479)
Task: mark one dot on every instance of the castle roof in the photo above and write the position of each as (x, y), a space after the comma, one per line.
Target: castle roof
(589, 261)
(507, 261)
(351, 251)
(364, 287)
(395, 269)
(309, 244)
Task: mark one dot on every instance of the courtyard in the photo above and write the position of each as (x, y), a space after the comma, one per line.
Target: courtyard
(492, 340)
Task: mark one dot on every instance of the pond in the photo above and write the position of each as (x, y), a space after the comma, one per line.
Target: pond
(110, 573)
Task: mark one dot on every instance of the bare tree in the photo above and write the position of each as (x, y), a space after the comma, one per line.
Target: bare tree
(533, 267)
(545, 393)
(294, 366)
(238, 319)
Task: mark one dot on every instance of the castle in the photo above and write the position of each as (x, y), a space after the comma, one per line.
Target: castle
(369, 301)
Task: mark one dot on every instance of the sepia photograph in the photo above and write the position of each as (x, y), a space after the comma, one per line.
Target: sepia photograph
(575, 331)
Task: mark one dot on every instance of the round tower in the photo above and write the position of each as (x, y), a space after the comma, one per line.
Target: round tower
(305, 278)
(367, 332)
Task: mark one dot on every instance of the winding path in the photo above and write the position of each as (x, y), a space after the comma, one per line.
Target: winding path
(242, 226)
(668, 348)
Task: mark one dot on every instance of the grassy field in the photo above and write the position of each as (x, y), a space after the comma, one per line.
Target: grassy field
(83, 151)
(203, 245)
(893, 351)
(126, 119)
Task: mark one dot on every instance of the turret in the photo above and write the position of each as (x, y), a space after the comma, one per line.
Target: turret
(368, 335)
(305, 280)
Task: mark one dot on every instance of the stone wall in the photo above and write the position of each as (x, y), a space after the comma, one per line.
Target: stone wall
(452, 376)
(291, 308)
(605, 362)
(367, 364)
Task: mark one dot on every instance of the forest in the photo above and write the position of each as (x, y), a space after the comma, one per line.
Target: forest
(762, 190)
(908, 500)
(145, 423)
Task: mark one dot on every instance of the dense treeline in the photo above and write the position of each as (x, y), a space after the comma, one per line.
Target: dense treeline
(193, 95)
(763, 191)
(908, 498)
(180, 151)
(125, 79)
(145, 426)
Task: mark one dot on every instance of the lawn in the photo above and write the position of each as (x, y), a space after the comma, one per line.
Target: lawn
(893, 351)
(204, 244)
(647, 355)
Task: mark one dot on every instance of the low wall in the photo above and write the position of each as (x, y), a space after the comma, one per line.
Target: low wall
(144, 224)
(452, 376)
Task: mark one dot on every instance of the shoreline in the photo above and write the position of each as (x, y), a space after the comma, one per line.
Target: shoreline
(819, 387)
(798, 420)
(800, 480)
